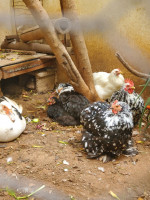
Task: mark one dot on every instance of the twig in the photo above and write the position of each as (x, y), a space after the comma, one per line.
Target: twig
(130, 69)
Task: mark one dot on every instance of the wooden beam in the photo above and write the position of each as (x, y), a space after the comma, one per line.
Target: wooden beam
(25, 67)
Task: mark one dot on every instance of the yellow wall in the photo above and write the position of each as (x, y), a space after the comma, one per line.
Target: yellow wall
(124, 26)
(5, 19)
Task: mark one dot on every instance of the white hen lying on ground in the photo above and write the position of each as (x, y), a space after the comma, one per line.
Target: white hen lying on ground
(107, 83)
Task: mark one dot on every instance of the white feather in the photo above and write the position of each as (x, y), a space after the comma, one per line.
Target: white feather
(107, 83)
(11, 126)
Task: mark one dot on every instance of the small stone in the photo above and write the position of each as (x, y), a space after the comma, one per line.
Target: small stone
(101, 169)
(64, 180)
(65, 162)
(78, 132)
(66, 170)
(9, 160)
(135, 133)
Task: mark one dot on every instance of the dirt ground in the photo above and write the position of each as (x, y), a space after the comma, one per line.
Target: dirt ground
(53, 155)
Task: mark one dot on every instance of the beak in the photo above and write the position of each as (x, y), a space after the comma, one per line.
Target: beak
(121, 72)
(59, 90)
(133, 88)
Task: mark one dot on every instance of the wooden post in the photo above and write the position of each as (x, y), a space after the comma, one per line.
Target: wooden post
(58, 48)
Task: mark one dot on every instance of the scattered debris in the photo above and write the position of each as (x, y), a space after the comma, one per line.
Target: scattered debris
(139, 142)
(35, 120)
(101, 169)
(135, 133)
(66, 170)
(63, 142)
(113, 195)
(36, 146)
(9, 160)
(65, 162)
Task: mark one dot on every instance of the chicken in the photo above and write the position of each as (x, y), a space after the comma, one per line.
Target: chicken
(72, 101)
(107, 83)
(12, 123)
(57, 113)
(127, 94)
(107, 130)
(70, 104)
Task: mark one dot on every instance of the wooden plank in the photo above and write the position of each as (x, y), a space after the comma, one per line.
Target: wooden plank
(25, 67)
(13, 58)
(19, 52)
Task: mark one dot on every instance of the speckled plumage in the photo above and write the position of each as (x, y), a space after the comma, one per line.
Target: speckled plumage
(135, 102)
(106, 132)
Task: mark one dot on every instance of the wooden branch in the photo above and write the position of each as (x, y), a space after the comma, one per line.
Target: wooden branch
(62, 26)
(83, 63)
(130, 69)
(57, 47)
(30, 47)
(81, 54)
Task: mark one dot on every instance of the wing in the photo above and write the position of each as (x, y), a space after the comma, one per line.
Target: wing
(100, 78)
(90, 116)
(119, 95)
(73, 103)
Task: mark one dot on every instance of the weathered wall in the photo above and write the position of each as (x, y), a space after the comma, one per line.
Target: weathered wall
(113, 25)
(5, 19)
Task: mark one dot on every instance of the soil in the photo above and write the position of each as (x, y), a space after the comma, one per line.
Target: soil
(50, 154)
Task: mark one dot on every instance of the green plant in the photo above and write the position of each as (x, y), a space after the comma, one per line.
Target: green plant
(13, 194)
(146, 110)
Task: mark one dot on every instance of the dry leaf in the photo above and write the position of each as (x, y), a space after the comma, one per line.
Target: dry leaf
(113, 195)
(35, 120)
(62, 142)
(25, 96)
(139, 142)
(36, 146)
(13, 59)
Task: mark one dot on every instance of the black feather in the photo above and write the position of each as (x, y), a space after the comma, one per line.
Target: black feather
(58, 113)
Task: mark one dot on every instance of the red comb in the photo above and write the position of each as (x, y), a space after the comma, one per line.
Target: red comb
(148, 107)
(116, 101)
(129, 81)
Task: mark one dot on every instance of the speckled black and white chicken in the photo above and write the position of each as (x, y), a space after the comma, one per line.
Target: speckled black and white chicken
(127, 94)
(70, 104)
(107, 130)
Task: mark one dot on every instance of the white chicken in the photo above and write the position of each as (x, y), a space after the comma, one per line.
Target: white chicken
(107, 83)
(12, 123)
